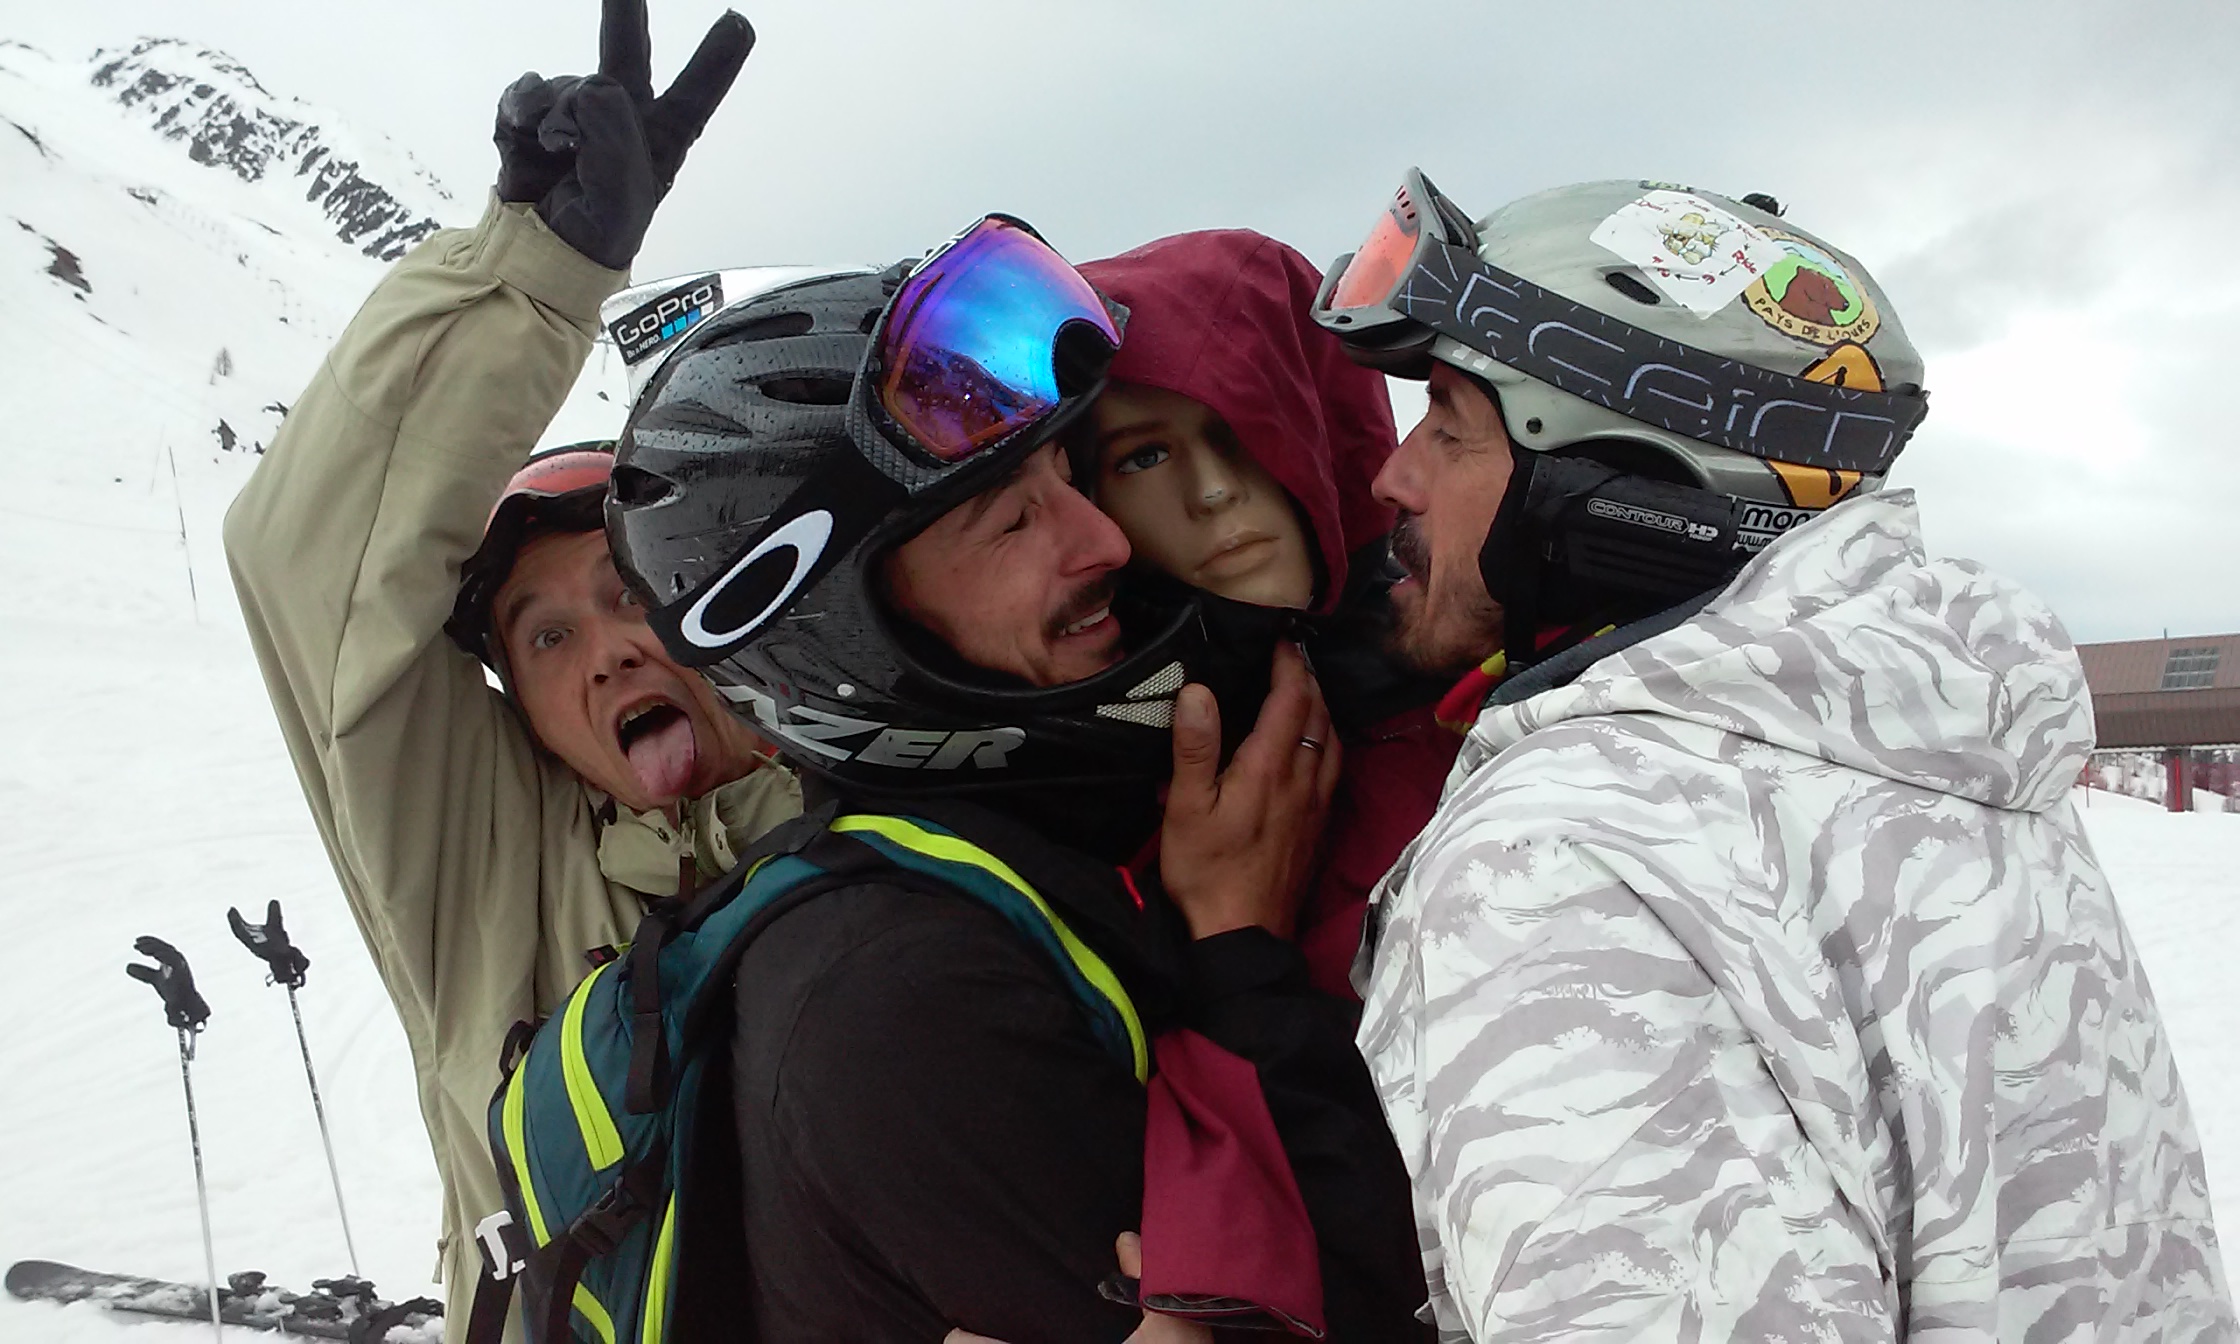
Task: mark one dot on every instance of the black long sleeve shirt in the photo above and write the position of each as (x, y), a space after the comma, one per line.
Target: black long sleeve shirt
(931, 1137)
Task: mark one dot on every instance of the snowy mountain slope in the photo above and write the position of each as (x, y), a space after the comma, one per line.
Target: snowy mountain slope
(224, 117)
(178, 248)
(159, 307)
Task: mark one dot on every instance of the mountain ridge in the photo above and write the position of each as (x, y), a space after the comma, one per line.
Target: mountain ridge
(227, 119)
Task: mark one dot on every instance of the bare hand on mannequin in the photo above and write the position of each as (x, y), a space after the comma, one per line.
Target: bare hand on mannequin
(1238, 844)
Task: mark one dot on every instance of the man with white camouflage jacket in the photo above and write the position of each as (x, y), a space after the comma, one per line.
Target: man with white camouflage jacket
(1755, 980)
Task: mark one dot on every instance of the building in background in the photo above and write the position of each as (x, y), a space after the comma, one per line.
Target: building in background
(2178, 699)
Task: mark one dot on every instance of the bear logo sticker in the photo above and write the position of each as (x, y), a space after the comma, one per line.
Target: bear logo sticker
(1808, 294)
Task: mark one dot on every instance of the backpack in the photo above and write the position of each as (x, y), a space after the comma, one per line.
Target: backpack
(604, 1107)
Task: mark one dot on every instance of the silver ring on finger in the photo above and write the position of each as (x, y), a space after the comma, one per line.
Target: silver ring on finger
(1311, 743)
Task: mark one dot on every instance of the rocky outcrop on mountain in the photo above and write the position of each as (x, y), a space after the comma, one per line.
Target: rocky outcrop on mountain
(376, 198)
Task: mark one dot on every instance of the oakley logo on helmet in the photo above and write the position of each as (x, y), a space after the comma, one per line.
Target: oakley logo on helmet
(663, 318)
(819, 731)
(758, 584)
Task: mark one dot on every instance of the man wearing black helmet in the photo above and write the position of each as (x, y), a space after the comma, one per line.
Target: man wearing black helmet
(487, 842)
(844, 503)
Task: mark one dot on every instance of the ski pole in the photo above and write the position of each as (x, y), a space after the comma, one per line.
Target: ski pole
(184, 1009)
(269, 943)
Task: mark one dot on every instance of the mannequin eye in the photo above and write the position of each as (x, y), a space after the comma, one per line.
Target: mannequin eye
(1141, 459)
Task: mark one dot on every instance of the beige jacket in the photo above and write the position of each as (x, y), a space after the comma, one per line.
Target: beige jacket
(479, 868)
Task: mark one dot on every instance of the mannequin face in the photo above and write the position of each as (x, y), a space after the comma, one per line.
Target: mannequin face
(1194, 503)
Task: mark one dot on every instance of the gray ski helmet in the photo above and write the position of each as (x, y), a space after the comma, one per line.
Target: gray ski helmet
(747, 411)
(1723, 277)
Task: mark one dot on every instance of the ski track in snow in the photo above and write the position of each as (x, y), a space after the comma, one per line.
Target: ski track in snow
(145, 787)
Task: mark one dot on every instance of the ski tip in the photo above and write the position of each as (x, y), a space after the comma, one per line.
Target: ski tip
(26, 1275)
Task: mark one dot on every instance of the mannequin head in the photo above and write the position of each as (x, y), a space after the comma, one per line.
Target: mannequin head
(1194, 503)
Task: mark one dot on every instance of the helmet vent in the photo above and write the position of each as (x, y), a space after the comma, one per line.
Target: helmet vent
(635, 487)
(1625, 283)
(776, 326)
(808, 390)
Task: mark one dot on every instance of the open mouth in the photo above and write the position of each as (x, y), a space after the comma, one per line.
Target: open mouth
(1407, 550)
(636, 724)
(1087, 623)
(1088, 613)
(656, 738)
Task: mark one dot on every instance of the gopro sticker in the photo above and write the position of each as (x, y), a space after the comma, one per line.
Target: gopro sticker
(665, 317)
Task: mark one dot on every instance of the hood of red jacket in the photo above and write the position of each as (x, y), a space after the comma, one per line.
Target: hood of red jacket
(1222, 316)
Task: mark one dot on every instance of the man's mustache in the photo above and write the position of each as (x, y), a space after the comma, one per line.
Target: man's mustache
(1408, 547)
(1098, 593)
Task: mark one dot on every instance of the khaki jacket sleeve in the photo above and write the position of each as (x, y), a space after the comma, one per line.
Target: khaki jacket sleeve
(451, 833)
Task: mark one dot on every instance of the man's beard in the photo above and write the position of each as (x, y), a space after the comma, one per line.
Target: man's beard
(1429, 636)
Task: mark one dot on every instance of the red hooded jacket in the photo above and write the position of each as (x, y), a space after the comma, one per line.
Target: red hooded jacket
(1223, 317)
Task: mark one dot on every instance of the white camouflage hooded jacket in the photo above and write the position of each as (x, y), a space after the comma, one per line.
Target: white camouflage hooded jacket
(1760, 984)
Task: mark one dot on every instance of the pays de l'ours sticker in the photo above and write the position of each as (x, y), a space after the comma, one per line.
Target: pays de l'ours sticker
(1808, 294)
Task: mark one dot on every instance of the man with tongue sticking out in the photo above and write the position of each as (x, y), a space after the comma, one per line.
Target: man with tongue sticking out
(486, 843)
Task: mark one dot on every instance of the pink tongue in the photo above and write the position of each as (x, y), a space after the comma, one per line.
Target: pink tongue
(663, 759)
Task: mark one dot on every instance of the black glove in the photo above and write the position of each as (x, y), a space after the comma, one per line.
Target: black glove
(597, 153)
(269, 941)
(182, 1007)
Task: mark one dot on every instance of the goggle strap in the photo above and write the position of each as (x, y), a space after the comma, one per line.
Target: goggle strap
(1650, 378)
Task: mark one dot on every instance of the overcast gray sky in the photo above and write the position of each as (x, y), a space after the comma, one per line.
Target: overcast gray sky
(2050, 192)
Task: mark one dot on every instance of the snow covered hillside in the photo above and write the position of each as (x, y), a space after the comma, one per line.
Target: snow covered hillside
(178, 247)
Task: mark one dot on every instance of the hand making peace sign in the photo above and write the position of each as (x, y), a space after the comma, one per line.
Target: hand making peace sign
(596, 153)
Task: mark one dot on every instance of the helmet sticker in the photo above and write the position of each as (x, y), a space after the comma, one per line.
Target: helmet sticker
(1813, 487)
(1808, 294)
(1848, 365)
(666, 316)
(1759, 524)
(1693, 250)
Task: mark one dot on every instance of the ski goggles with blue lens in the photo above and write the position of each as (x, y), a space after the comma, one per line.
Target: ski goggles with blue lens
(986, 341)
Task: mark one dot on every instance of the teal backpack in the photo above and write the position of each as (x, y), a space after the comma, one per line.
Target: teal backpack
(599, 1115)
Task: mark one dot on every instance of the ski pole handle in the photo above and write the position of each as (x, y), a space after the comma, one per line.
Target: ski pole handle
(182, 1007)
(269, 943)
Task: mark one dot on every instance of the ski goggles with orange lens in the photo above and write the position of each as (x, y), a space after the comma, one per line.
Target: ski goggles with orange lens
(1417, 280)
(992, 335)
(1357, 295)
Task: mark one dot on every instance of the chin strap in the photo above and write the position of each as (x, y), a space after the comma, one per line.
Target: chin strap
(1578, 545)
